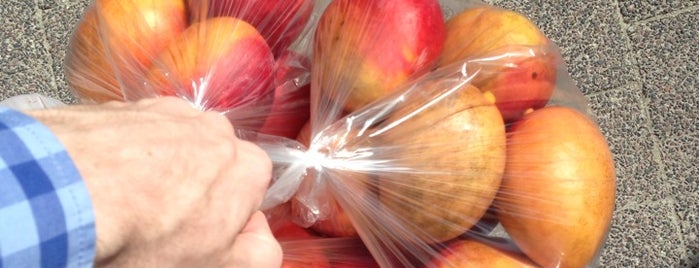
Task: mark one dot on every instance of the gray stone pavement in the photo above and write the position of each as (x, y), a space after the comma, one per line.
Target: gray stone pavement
(636, 62)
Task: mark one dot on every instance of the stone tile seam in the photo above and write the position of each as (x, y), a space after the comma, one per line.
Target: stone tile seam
(662, 173)
(636, 72)
(648, 122)
(45, 45)
(675, 219)
(644, 100)
(635, 85)
(669, 203)
(668, 15)
(632, 61)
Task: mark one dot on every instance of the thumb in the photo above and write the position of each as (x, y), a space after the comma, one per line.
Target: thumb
(255, 246)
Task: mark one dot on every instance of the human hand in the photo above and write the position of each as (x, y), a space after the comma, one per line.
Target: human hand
(171, 186)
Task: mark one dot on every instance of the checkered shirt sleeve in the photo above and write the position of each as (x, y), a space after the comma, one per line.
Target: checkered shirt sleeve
(46, 217)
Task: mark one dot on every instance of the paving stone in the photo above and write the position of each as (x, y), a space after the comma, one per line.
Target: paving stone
(655, 246)
(635, 10)
(669, 62)
(25, 65)
(59, 20)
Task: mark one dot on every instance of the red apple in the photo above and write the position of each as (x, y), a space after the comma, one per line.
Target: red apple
(114, 44)
(364, 49)
(279, 219)
(220, 64)
(285, 230)
(337, 224)
(279, 22)
(288, 230)
(349, 253)
(305, 133)
(301, 247)
(515, 61)
(475, 253)
(335, 221)
(304, 136)
(521, 84)
(291, 106)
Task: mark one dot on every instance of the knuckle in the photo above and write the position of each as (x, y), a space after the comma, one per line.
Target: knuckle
(171, 100)
(114, 104)
(216, 121)
(168, 104)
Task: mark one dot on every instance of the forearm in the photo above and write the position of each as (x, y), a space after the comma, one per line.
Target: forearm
(169, 186)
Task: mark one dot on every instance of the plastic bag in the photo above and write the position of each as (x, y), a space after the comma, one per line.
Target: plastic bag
(482, 154)
(228, 56)
(404, 133)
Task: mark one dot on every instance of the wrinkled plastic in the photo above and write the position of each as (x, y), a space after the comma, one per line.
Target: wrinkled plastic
(229, 56)
(396, 142)
(419, 170)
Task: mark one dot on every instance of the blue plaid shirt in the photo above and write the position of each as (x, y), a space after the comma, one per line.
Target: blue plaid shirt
(46, 217)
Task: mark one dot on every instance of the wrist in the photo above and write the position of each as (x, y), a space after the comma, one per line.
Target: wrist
(112, 222)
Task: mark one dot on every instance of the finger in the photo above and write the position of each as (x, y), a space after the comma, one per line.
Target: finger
(248, 172)
(214, 121)
(255, 246)
(257, 167)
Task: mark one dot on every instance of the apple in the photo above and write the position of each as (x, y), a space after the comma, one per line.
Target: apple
(221, 64)
(419, 178)
(279, 22)
(337, 222)
(514, 59)
(286, 230)
(304, 248)
(301, 246)
(470, 252)
(521, 85)
(349, 253)
(445, 165)
(304, 135)
(364, 49)
(291, 105)
(115, 42)
(454, 154)
(306, 253)
(88, 72)
(280, 220)
(557, 195)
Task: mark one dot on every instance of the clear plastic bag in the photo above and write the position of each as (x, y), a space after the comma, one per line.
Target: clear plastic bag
(229, 56)
(487, 148)
(404, 133)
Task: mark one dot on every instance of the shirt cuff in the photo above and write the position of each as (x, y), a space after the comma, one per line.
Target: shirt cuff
(46, 214)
